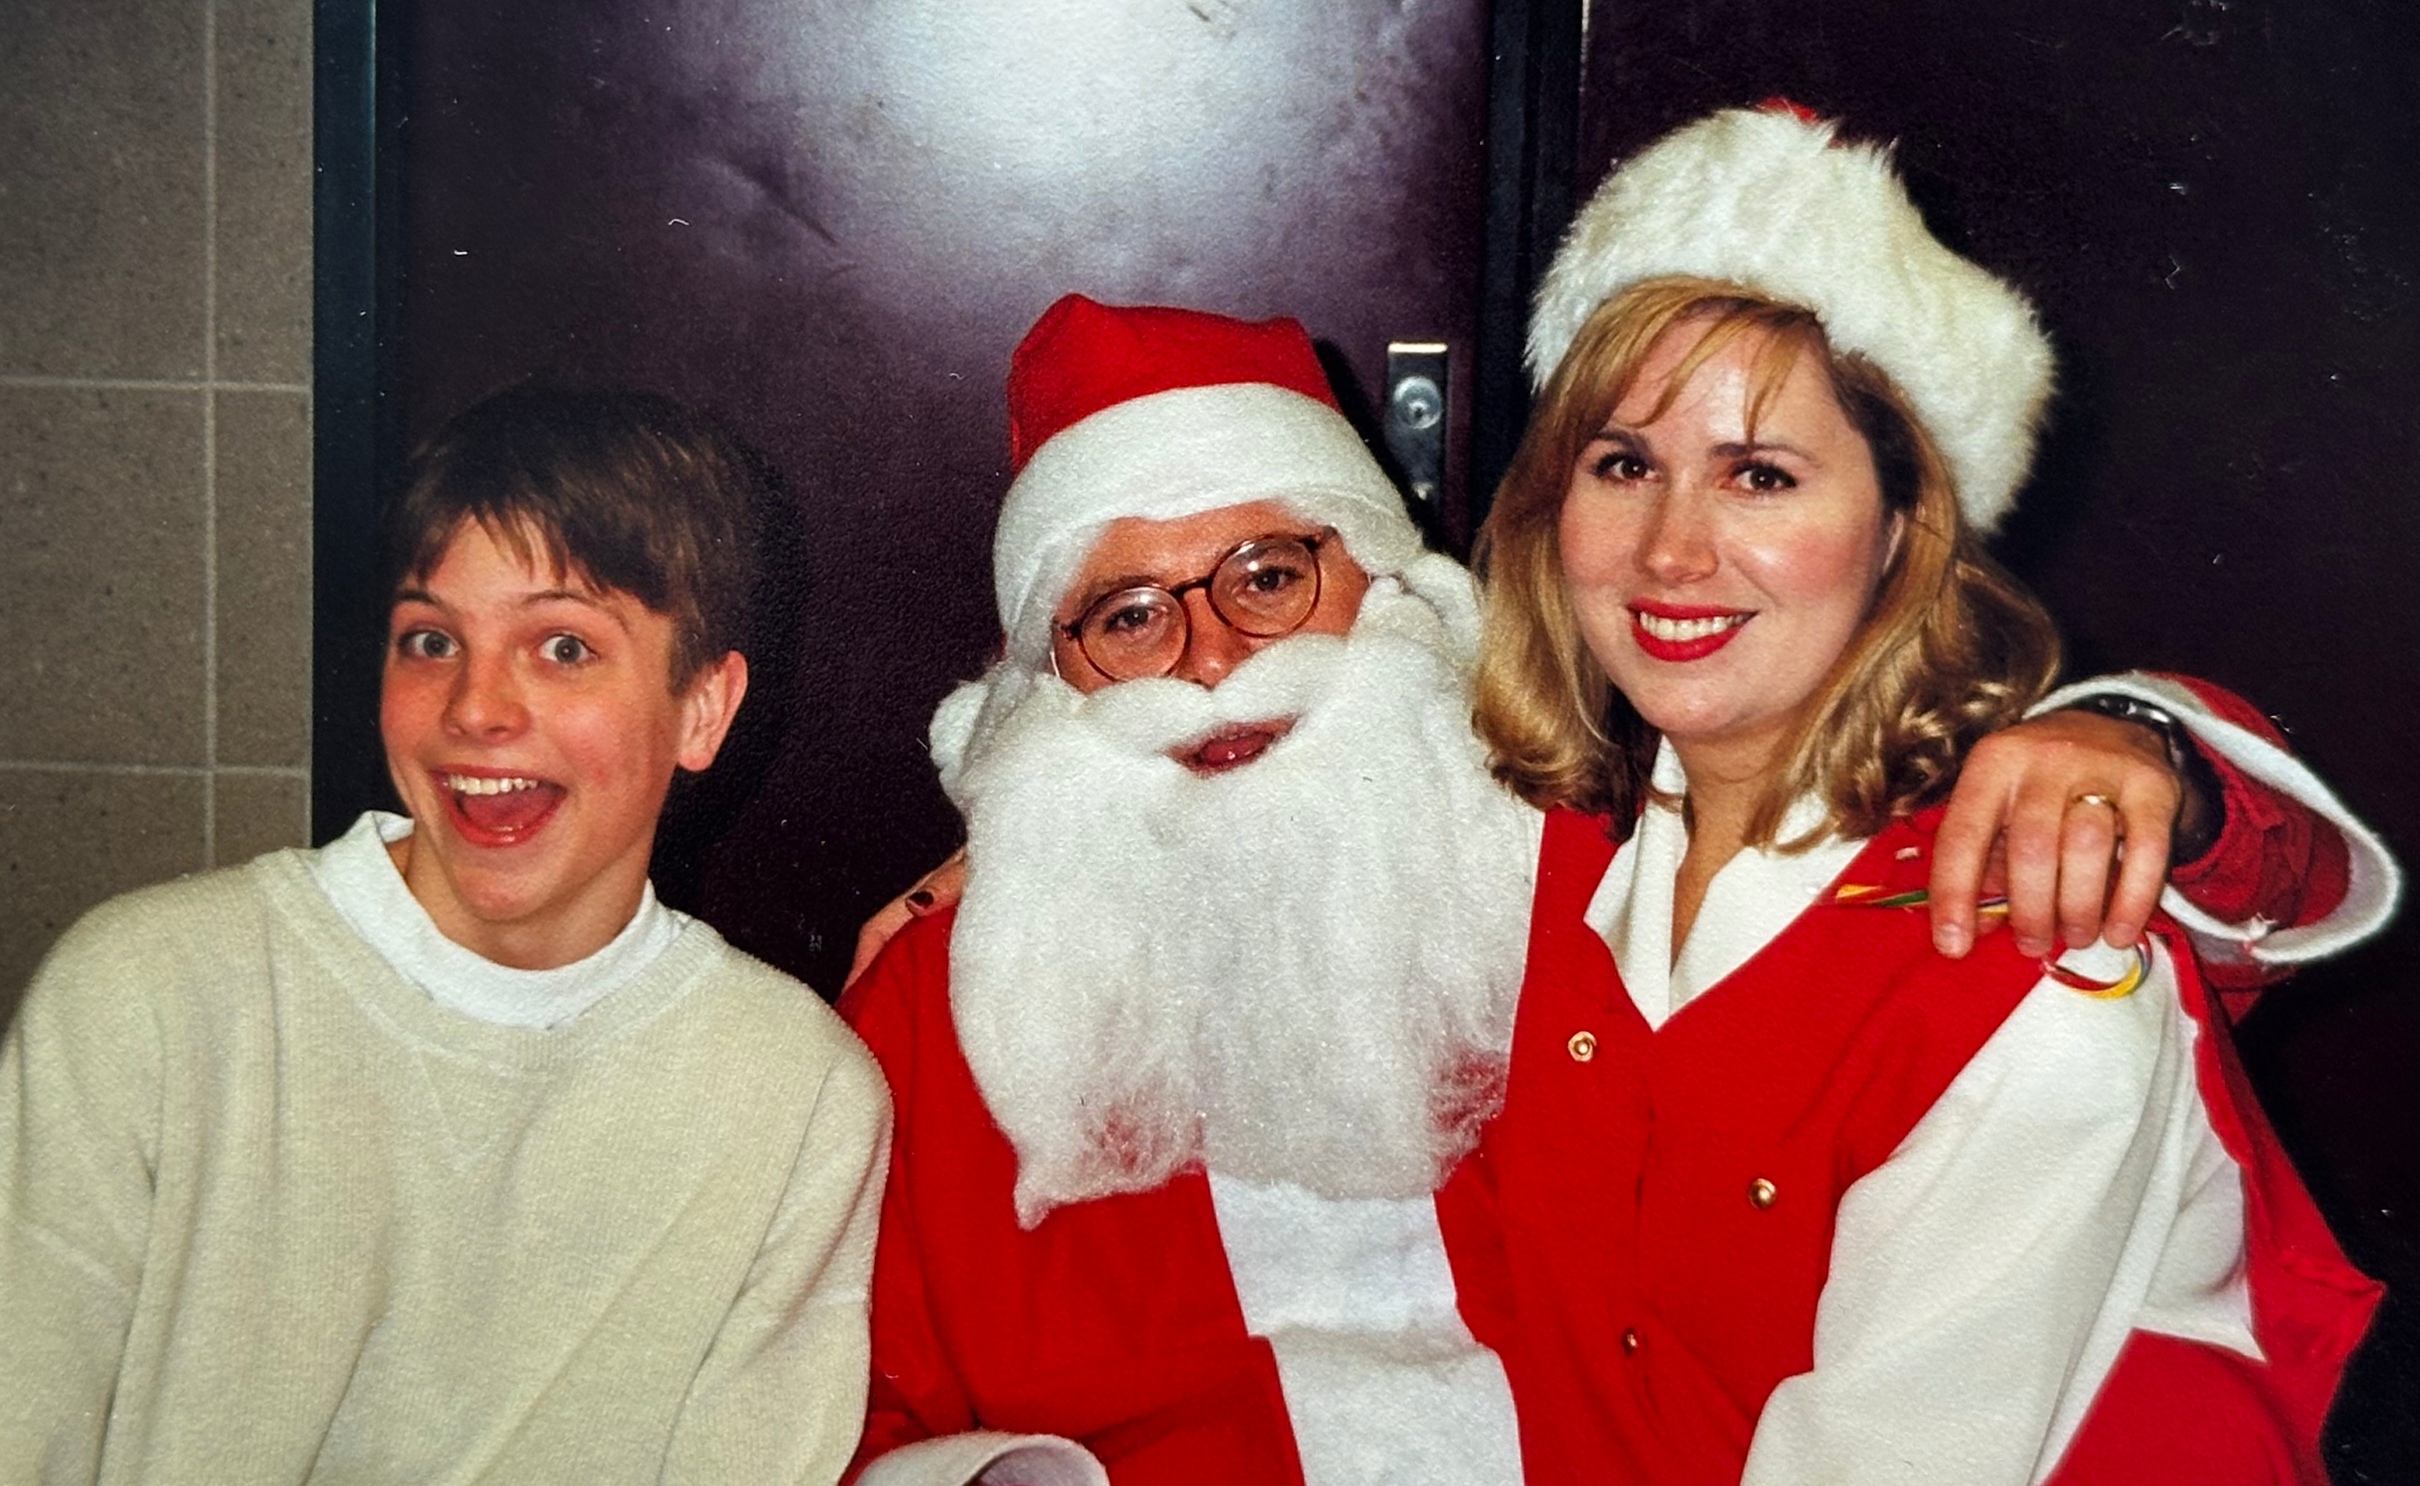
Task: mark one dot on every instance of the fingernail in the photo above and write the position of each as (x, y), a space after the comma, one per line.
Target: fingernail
(921, 898)
(1950, 940)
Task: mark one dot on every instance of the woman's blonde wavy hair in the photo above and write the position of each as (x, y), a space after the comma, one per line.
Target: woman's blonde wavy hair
(1952, 647)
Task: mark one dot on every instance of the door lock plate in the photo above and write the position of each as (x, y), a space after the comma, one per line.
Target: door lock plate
(1417, 408)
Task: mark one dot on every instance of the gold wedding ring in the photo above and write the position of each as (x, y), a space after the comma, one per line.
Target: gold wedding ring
(2090, 797)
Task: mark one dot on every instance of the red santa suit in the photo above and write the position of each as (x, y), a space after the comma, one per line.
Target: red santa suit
(1207, 1330)
(1810, 1203)
(1210, 1331)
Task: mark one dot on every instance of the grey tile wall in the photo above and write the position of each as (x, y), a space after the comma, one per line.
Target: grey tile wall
(155, 344)
(264, 617)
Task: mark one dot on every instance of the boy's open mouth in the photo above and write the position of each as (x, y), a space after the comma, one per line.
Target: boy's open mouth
(498, 810)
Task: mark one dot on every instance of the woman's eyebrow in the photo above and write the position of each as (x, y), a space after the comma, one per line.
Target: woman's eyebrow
(1762, 446)
(1620, 438)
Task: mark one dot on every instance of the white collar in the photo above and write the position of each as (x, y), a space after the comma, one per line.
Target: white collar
(1751, 900)
(360, 878)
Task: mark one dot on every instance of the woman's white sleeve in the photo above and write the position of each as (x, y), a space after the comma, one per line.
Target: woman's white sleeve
(1985, 1276)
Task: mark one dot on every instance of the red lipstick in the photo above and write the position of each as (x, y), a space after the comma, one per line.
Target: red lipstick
(1689, 631)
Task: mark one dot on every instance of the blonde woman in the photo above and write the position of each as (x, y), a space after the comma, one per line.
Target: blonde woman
(1786, 1196)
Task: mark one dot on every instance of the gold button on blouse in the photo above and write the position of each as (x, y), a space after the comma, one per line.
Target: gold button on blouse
(1583, 1046)
(1762, 1192)
(1630, 1342)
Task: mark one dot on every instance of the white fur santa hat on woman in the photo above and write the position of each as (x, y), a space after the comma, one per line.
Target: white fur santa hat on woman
(1770, 200)
(1160, 413)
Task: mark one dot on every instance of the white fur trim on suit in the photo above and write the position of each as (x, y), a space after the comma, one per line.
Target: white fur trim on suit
(1177, 454)
(1356, 1298)
(985, 1457)
(1774, 204)
(2376, 884)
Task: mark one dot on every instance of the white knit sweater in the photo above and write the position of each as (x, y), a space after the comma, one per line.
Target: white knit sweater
(270, 1214)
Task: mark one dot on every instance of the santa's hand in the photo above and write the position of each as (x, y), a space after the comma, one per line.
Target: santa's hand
(2039, 813)
(935, 890)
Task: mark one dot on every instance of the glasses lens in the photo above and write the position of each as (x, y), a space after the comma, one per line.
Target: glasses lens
(1267, 588)
(1132, 634)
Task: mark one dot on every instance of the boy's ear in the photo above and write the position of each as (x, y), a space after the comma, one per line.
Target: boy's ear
(707, 707)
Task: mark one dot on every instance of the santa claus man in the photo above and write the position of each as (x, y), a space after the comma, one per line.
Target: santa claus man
(1184, 1082)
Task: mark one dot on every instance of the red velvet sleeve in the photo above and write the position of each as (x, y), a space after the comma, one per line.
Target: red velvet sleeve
(2275, 858)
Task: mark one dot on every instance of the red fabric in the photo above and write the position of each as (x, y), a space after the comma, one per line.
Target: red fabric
(1625, 1180)
(1112, 1322)
(2274, 859)
(1624, 1185)
(2173, 1411)
(2310, 1306)
(1777, 104)
(2228, 1430)
(1082, 357)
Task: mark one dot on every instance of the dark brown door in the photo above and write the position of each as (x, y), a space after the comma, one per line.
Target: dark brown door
(2216, 204)
(827, 221)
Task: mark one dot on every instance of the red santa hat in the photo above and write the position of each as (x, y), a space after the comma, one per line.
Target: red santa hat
(1163, 413)
(1769, 200)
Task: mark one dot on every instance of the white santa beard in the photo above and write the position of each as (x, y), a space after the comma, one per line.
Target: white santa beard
(1302, 969)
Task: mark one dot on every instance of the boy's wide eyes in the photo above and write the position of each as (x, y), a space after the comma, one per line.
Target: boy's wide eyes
(436, 644)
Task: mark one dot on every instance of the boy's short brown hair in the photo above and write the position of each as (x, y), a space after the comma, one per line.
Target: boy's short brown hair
(629, 490)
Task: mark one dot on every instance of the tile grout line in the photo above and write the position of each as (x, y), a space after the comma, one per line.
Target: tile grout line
(210, 687)
(165, 771)
(146, 384)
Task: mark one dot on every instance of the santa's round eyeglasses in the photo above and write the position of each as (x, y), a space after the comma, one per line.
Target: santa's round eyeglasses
(1265, 588)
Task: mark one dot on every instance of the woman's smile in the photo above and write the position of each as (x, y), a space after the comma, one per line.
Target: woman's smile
(1684, 632)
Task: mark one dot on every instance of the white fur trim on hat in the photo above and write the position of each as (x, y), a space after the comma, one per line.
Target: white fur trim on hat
(1177, 454)
(1770, 202)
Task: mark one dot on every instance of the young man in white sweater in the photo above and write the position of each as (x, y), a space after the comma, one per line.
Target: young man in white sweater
(446, 1153)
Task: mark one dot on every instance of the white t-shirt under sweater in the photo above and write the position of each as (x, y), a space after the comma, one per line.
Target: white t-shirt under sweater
(359, 877)
(269, 1213)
